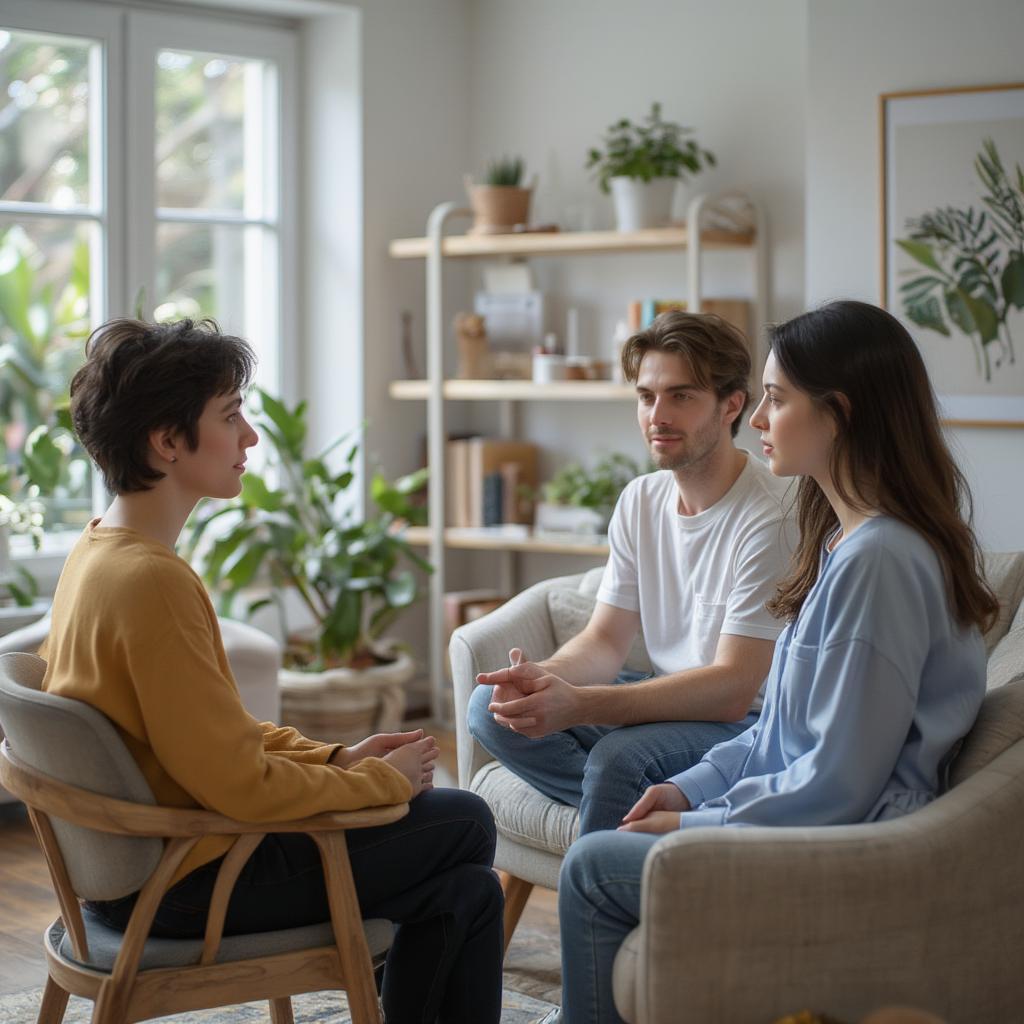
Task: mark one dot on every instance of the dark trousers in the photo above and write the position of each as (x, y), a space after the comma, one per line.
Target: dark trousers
(430, 873)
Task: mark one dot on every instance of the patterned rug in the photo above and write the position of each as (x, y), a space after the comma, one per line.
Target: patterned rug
(313, 1008)
(532, 988)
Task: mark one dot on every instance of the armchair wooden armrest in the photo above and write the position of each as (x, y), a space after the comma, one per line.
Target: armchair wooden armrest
(182, 828)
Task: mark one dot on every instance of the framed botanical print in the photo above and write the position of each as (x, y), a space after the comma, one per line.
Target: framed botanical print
(952, 232)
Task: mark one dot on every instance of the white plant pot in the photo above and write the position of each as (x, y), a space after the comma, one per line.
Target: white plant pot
(345, 705)
(643, 204)
(552, 518)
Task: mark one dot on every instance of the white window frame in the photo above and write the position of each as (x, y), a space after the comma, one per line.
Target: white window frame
(148, 33)
(124, 125)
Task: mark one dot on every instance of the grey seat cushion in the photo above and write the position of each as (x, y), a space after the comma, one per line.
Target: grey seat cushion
(104, 944)
(524, 814)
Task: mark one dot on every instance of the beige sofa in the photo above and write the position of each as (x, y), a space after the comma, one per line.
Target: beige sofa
(750, 924)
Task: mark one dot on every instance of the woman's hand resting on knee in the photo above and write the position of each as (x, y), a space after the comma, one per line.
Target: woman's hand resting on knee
(657, 810)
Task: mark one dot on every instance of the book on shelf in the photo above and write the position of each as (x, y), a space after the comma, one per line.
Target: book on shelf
(487, 478)
(642, 312)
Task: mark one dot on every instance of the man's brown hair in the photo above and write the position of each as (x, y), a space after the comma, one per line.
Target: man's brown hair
(716, 352)
(139, 377)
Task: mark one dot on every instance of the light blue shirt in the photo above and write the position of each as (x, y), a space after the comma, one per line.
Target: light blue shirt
(869, 690)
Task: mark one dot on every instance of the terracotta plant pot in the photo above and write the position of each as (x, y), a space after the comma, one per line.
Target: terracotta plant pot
(497, 209)
(345, 705)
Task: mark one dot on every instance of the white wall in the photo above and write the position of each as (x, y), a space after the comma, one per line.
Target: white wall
(857, 51)
(549, 78)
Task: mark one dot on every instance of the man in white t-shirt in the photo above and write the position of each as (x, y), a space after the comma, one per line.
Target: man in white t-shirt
(696, 549)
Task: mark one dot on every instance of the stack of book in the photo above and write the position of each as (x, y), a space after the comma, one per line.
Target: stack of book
(734, 311)
(490, 481)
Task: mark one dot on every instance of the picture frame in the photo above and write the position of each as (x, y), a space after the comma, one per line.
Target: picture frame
(952, 242)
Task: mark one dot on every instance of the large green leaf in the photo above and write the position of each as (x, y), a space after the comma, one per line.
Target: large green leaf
(256, 492)
(959, 311)
(401, 591)
(920, 251)
(43, 460)
(1012, 281)
(291, 425)
(927, 312)
(241, 567)
(985, 318)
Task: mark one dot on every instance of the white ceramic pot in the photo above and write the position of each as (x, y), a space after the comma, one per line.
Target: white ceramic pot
(643, 204)
(552, 518)
(345, 705)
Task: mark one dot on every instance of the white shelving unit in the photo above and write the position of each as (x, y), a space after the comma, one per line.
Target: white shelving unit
(435, 249)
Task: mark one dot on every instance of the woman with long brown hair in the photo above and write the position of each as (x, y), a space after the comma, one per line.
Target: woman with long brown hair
(881, 668)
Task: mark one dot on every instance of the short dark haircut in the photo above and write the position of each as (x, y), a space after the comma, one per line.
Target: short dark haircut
(139, 377)
(717, 353)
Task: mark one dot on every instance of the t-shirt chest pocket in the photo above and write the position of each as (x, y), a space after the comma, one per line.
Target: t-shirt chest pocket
(710, 616)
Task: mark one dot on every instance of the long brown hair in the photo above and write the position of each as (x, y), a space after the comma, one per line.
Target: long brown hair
(861, 366)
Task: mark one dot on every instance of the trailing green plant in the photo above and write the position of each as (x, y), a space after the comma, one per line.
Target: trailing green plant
(974, 262)
(651, 149)
(508, 171)
(597, 488)
(295, 528)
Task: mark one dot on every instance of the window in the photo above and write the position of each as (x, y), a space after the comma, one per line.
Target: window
(146, 163)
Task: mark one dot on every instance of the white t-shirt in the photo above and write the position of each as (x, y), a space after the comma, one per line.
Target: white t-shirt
(692, 578)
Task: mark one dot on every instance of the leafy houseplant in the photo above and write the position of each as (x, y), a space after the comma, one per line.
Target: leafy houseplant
(642, 162)
(974, 264)
(501, 202)
(300, 534)
(595, 491)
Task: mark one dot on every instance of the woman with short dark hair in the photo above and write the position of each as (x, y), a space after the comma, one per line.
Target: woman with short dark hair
(159, 408)
(881, 669)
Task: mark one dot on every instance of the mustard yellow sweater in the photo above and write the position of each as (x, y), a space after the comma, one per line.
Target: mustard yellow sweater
(134, 635)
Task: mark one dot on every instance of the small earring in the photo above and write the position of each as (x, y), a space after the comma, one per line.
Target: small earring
(174, 458)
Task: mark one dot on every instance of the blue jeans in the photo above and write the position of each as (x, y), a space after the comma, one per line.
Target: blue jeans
(598, 906)
(601, 769)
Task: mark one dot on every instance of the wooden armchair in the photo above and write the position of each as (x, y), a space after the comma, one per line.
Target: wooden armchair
(104, 837)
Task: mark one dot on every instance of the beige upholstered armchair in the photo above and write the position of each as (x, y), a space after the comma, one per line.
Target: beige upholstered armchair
(745, 925)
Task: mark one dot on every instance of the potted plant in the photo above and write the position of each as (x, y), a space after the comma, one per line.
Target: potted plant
(641, 164)
(298, 534)
(578, 500)
(500, 203)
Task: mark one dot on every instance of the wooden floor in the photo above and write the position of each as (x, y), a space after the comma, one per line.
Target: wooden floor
(27, 903)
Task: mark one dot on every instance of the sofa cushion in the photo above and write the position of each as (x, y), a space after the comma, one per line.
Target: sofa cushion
(1005, 575)
(570, 611)
(522, 813)
(999, 725)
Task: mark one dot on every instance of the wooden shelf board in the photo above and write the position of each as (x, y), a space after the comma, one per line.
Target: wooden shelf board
(499, 538)
(561, 242)
(519, 390)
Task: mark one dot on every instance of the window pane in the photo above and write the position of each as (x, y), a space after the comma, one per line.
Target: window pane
(44, 118)
(209, 118)
(44, 321)
(227, 272)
